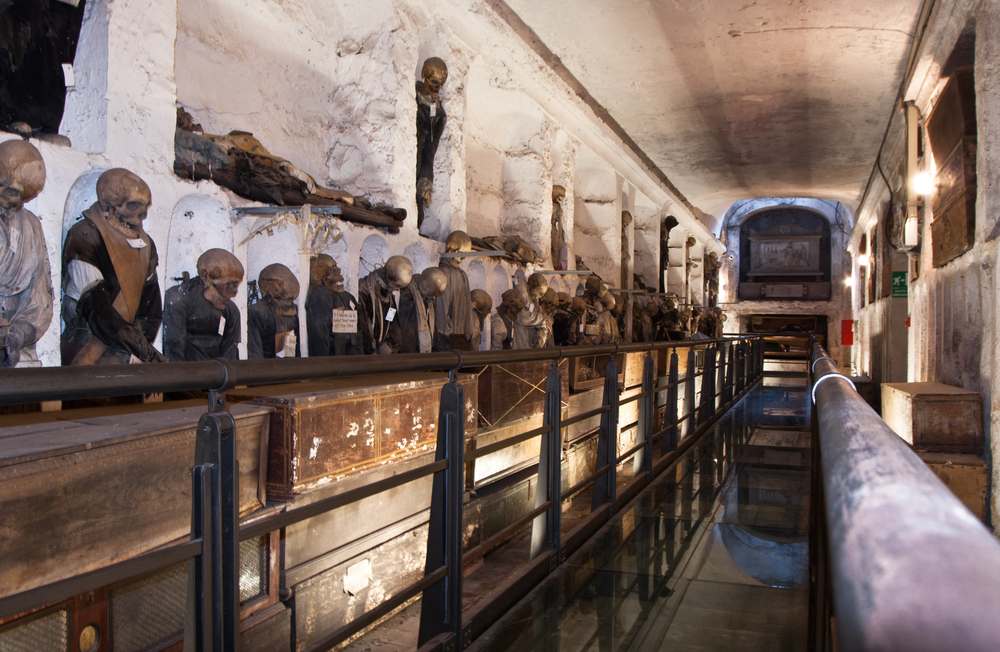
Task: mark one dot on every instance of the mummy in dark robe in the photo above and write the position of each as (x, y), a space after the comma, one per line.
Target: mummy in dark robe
(200, 320)
(416, 311)
(327, 297)
(482, 305)
(378, 304)
(273, 324)
(25, 282)
(502, 323)
(111, 296)
(454, 307)
(431, 120)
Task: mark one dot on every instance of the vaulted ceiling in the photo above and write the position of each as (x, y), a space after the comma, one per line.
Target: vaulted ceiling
(740, 98)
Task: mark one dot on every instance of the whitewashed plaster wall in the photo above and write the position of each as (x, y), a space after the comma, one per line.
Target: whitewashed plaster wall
(953, 310)
(839, 305)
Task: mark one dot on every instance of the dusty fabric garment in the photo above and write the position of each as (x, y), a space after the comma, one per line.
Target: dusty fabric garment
(320, 304)
(416, 320)
(502, 332)
(96, 313)
(25, 286)
(532, 329)
(431, 120)
(562, 328)
(264, 324)
(194, 329)
(608, 326)
(377, 303)
(454, 312)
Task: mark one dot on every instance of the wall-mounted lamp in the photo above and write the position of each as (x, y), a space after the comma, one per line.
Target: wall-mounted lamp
(922, 184)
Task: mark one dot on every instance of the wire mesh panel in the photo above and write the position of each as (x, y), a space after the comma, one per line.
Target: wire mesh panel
(253, 568)
(47, 633)
(150, 611)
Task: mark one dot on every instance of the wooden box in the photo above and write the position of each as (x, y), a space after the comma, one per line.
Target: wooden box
(83, 489)
(514, 390)
(965, 475)
(934, 417)
(323, 430)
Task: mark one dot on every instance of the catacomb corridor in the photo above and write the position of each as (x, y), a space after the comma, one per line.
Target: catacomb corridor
(499, 324)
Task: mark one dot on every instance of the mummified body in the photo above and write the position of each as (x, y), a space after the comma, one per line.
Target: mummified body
(325, 300)
(111, 296)
(454, 308)
(25, 283)
(200, 320)
(431, 120)
(379, 305)
(273, 325)
(416, 320)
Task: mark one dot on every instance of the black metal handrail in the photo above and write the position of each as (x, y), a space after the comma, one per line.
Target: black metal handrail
(911, 568)
(213, 547)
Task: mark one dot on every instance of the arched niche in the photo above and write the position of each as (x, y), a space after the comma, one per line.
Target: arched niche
(499, 283)
(82, 195)
(374, 253)
(418, 256)
(198, 223)
(476, 272)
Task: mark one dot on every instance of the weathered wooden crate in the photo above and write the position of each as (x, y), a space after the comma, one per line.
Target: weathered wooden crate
(324, 430)
(965, 475)
(83, 489)
(514, 390)
(934, 417)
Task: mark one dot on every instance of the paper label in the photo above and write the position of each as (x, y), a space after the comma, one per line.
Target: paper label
(68, 76)
(222, 325)
(137, 243)
(592, 329)
(345, 321)
(434, 109)
(390, 314)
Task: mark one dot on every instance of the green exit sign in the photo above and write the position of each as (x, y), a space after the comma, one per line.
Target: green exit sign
(899, 285)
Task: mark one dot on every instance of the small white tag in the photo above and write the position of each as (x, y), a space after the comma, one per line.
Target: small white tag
(344, 321)
(390, 314)
(222, 325)
(68, 76)
(137, 243)
(581, 327)
(434, 109)
(133, 360)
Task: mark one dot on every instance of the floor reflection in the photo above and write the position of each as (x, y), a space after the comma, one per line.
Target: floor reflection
(712, 556)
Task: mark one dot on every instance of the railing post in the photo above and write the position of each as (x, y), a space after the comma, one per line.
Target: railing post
(690, 409)
(441, 603)
(730, 371)
(741, 366)
(204, 622)
(605, 486)
(216, 444)
(642, 462)
(545, 528)
(671, 431)
(707, 407)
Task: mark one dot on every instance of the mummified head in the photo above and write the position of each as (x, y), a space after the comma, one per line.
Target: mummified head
(398, 272)
(323, 270)
(434, 73)
(482, 302)
(22, 174)
(221, 273)
(125, 198)
(278, 283)
(433, 282)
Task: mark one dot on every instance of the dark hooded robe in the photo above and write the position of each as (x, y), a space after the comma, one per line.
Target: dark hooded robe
(320, 304)
(263, 326)
(431, 120)
(453, 311)
(194, 329)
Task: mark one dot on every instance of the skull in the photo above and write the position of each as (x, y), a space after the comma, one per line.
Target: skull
(398, 272)
(513, 301)
(434, 73)
(124, 197)
(578, 305)
(482, 302)
(279, 284)
(549, 300)
(538, 285)
(558, 194)
(433, 282)
(458, 241)
(323, 270)
(22, 175)
(609, 302)
(221, 272)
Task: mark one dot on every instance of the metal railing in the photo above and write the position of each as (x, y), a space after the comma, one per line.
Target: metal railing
(908, 566)
(212, 549)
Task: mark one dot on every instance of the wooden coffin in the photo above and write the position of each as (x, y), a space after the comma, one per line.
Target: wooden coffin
(321, 431)
(510, 391)
(965, 475)
(934, 417)
(83, 489)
